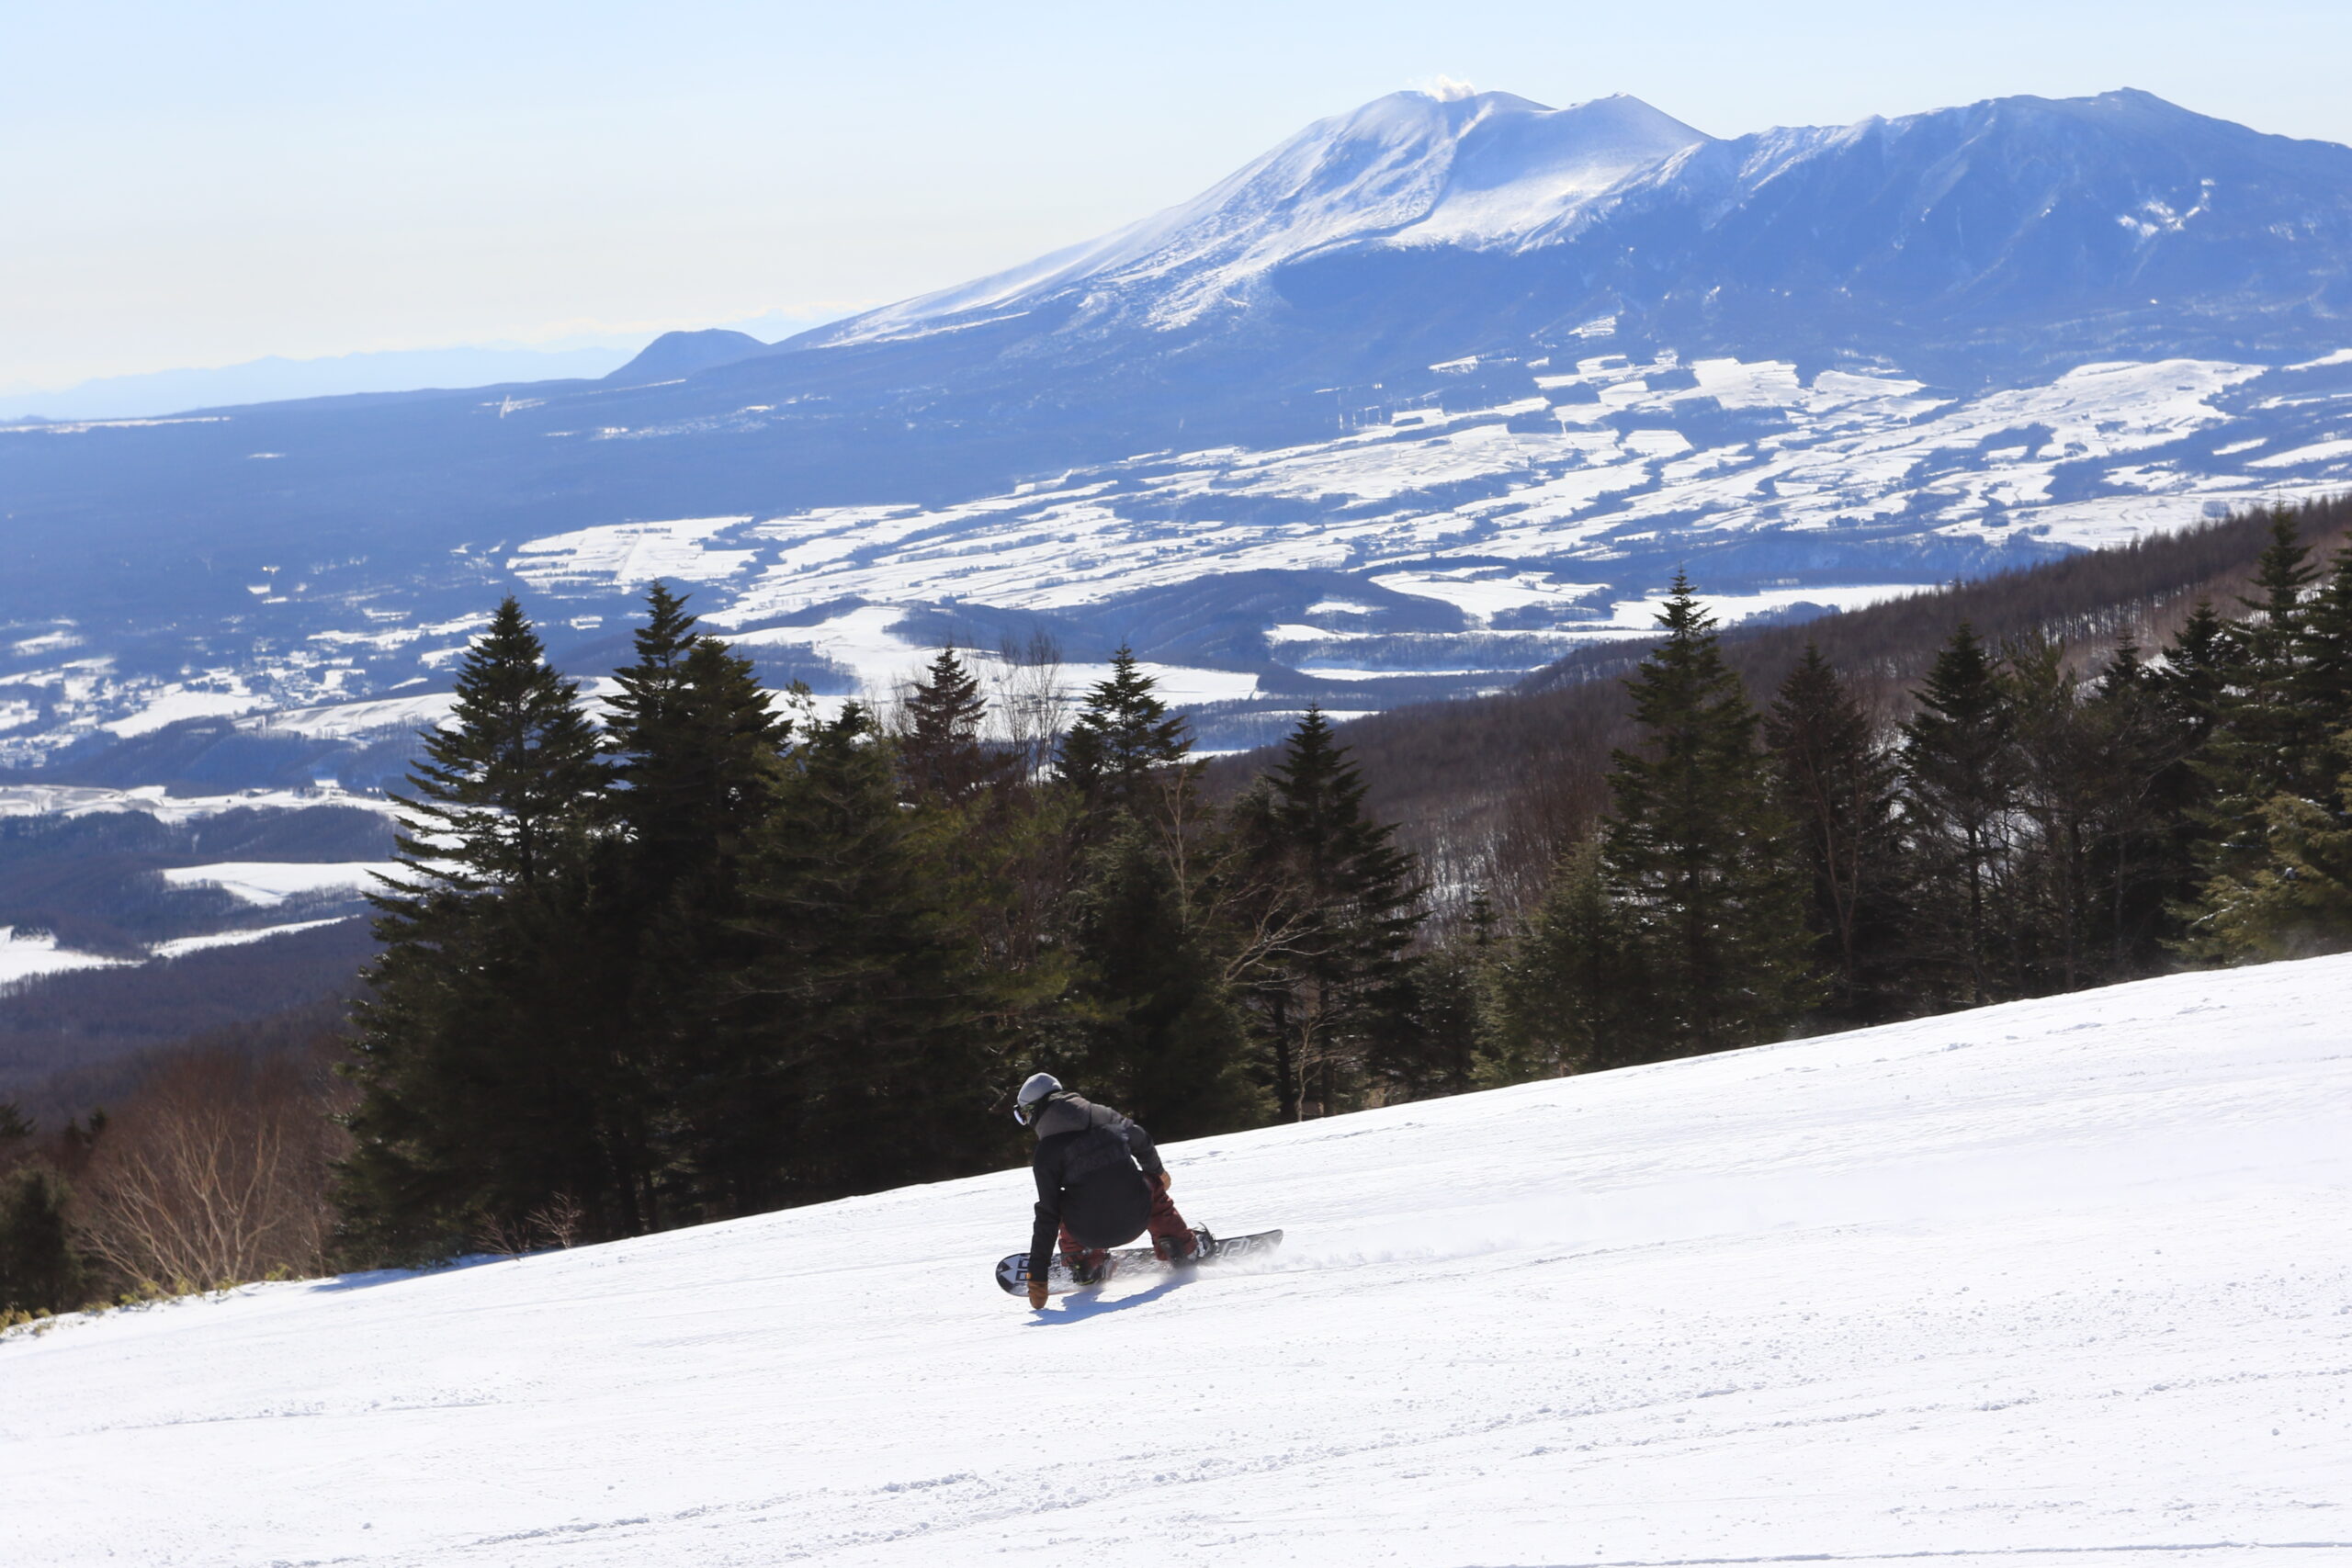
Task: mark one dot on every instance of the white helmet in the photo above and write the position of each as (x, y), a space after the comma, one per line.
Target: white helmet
(1033, 1096)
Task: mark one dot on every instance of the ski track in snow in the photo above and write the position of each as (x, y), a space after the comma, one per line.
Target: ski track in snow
(2065, 1281)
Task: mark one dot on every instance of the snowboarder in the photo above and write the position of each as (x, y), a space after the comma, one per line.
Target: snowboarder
(1100, 1185)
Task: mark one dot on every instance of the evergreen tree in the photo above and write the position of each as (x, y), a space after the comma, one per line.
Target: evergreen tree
(1960, 768)
(1696, 851)
(502, 795)
(2086, 761)
(694, 741)
(2296, 902)
(2325, 679)
(941, 754)
(1427, 1039)
(864, 1034)
(1124, 745)
(1569, 993)
(1156, 1030)
(2140, 867)
(40, 1270)
(642, 710)
(1841, 792)
(2196, 663)
(2268, 739)
(1336, 904)
(2267, 736)
(697, 753)
(480, 1048)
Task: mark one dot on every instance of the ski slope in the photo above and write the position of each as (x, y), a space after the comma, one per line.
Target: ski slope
(2066, 1281)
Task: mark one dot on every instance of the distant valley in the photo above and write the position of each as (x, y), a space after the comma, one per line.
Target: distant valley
(1426, 398)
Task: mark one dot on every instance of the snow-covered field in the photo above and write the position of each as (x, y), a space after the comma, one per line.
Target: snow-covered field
(2066, 1281)
(270, 882)
(1544, 519)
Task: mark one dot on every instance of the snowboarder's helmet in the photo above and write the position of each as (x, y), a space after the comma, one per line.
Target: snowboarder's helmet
(1033, 1096)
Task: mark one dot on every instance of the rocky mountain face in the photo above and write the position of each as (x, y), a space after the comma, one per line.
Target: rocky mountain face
(1426, 396)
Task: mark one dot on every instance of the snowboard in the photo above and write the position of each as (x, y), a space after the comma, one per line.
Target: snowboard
(1012, 1273)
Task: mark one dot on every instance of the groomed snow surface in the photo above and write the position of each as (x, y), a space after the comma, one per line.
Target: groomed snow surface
(2065, 1281)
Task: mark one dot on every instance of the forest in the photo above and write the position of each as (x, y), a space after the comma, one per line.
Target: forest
(724, 953)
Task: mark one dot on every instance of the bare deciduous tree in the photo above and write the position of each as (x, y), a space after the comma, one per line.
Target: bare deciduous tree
(1032, 707)
(215, 1175)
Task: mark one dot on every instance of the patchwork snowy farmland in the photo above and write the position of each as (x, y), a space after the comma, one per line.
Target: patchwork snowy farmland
(2066, 1279)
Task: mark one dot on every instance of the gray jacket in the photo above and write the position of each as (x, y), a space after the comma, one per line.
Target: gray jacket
(1091, 1166)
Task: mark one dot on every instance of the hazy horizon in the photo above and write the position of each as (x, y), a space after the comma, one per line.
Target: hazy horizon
(287, 183)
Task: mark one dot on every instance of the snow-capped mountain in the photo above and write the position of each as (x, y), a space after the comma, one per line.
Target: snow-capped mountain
(1410, 405)
(2107, 219)
(1409, 169)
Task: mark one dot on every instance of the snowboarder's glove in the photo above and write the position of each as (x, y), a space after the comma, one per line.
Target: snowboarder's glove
(1037, 1295)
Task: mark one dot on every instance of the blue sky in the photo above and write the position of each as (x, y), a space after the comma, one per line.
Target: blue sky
(189, 185)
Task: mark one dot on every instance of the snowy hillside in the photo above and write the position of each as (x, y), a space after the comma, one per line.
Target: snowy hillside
(2066, 1279)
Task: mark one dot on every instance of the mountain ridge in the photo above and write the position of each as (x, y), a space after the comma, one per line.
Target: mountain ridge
(1834, 360)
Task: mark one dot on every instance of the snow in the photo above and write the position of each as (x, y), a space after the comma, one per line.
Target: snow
(630, 555)
(273, 882)
(174, 703)
(1492, 509)
(1860, 447)
(2317, 452)
(864, 639)
(1482, 591)
(2064, 1278)
(180, 947)
(25, 956)
(344, 721)
(76, 800)
(1732, 608)
(1409, 169)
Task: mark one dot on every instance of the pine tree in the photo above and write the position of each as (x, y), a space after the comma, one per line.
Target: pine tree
(2137, 866)
(481, 1045)
(941, 754)
(2296, 901)
(505, 786)
(1568, 992)
(2194, 678)
(2266, 738)
(40, 1270)
(697, 748)
(1960, 768)
(641, 709)
(695, 741)
(1841, 792)
(1124, 747)
(1427, 1041)
(865, 1033)
(2089, 759)
(2325, 683)
(1696, 851)
(1335, 904)
(1154, 1026)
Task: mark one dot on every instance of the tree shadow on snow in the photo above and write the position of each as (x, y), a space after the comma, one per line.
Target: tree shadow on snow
(1087, 1304)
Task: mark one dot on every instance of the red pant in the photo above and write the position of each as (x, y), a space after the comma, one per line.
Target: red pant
(1170, 1237)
